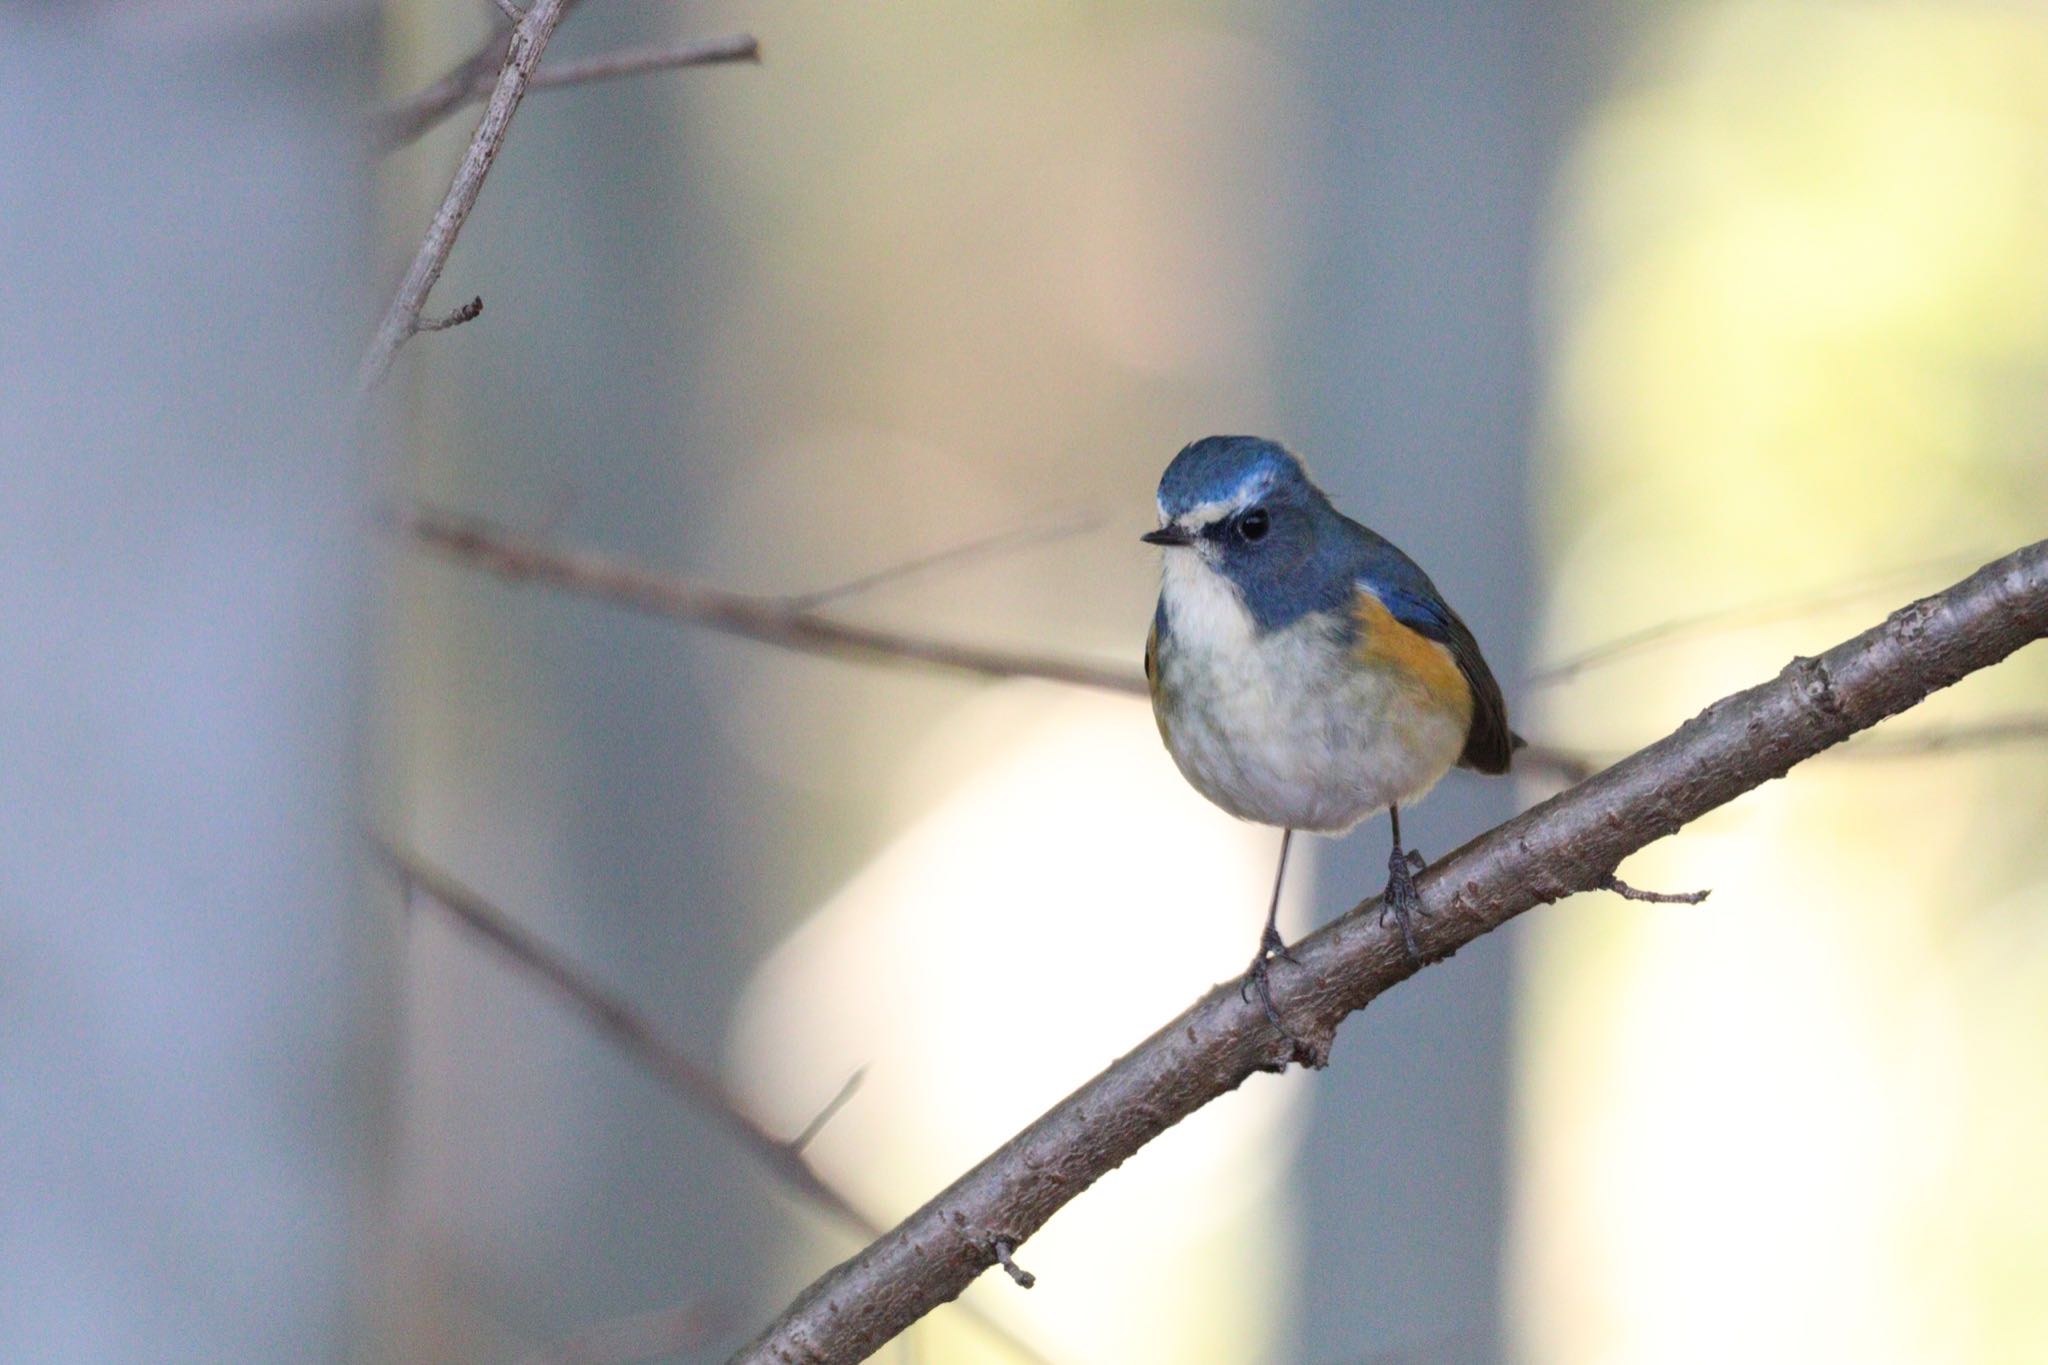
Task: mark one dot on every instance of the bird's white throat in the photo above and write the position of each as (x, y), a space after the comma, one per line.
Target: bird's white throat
(1204, 610)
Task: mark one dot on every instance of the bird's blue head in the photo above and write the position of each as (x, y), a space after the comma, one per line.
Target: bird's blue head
(1243, 507)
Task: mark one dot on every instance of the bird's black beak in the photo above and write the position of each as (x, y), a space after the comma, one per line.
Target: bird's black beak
(1167, 535)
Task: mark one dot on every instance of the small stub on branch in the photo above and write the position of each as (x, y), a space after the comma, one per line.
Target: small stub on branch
(1610, 882)
(1024, 1278)
(469, 312)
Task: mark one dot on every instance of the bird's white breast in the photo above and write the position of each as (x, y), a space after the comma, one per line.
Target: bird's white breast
(1287, 727)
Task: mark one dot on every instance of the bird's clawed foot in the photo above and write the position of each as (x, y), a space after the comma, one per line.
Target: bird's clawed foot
(1271, 945)
(1401, 900)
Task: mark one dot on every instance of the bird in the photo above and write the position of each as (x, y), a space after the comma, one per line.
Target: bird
(1304, 672)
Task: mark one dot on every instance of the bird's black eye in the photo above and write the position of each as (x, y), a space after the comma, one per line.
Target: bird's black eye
(1254, 524)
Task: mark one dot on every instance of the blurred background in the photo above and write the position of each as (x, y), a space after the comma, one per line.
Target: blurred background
(1715, 330)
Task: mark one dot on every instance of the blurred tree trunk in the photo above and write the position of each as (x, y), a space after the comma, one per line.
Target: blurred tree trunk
(1416, 370)
(186, 967)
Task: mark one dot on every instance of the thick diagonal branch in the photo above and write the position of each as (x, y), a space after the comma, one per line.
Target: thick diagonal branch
(1570, 843)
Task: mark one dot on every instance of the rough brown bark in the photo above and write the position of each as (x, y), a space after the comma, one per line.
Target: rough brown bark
(1572, 842)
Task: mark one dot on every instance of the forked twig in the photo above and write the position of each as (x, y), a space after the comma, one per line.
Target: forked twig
(407, 120)
(528, 39)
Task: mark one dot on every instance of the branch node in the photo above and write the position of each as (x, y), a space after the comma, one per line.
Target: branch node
(1610, 882)
(472, 79)
(1024, 1278)
(469, 312)
(1314, 1053)
(1310, 1049)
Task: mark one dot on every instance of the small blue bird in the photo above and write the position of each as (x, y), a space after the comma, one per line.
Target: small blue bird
(1304, 672)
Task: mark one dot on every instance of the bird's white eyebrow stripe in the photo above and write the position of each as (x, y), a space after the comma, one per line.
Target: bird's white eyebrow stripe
(1202, 514)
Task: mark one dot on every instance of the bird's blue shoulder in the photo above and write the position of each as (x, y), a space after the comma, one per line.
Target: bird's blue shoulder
(1403, 588)
(1361, 558)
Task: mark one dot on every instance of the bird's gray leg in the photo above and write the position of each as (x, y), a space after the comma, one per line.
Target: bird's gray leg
(1401, 900)
(1271, 945)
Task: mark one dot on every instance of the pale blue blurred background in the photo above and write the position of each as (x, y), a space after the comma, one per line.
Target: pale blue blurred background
(194, 989)
(1610, 316)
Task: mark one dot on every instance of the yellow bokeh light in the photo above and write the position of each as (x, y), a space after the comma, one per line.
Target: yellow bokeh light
(1802, 311)
(1064, 895)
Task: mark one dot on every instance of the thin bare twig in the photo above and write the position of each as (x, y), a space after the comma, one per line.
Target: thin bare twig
(402, 318)
(1610, 882)
(619, 1021)
(1549, 760)
(1976, 734)
(642, 1041)
(830, 1111)
(642, 1336)
(469, 79)
(1860, 589)
(1570, 843)
(790, 623)
(952, 556)
(638, 61)
(772, 620)
(1571, 765)
(397, 124)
